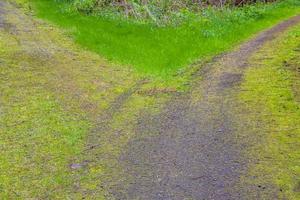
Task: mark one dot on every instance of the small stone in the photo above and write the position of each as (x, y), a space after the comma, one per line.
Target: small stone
(76, 166)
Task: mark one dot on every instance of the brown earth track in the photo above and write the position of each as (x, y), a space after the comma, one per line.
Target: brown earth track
(192, 149)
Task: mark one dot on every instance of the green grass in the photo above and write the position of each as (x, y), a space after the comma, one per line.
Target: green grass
(271, 92)
(164, 50)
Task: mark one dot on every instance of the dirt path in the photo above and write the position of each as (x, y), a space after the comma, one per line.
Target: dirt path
(192, 150)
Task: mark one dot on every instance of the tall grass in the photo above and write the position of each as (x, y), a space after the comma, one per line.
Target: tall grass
(161, 51)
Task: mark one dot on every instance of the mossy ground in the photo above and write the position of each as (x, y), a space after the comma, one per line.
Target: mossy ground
(271, 95)
(37, 135)
(53, 99)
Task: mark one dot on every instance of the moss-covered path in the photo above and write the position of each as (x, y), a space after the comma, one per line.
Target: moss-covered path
(74, 126)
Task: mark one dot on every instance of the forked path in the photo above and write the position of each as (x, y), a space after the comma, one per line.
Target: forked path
(192, 149)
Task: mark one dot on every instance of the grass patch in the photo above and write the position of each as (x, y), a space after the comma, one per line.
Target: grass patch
(270, 92)
(161, 51)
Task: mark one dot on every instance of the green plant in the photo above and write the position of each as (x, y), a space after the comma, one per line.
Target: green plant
(84, 5)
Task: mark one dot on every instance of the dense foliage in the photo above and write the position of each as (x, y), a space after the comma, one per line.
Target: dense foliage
(155, 10)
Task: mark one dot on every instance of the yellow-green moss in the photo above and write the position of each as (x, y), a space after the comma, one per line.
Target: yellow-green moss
(37, 136)
(52, 97)
(269, 96)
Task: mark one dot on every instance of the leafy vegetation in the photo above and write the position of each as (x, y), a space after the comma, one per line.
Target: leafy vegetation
(161, 51)
(159, 11)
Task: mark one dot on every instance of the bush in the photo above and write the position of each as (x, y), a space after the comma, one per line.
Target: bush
(85, 5)
(157, 11)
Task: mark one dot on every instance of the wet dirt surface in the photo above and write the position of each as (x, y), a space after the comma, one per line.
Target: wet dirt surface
(190, 150)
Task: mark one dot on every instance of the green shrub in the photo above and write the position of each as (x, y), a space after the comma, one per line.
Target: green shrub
(158, 11)
(84, 5)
